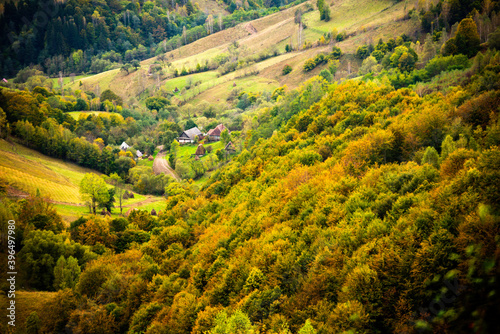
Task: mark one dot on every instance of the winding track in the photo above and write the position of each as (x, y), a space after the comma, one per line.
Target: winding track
(160, 165)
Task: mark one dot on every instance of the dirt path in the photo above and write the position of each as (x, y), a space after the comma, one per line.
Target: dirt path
(160, 165)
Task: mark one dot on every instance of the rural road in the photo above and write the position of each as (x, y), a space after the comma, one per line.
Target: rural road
(160, 165)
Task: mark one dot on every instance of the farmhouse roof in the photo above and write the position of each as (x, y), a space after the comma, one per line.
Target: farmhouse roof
(193, 132)
(138, 153)
(229, 147)
(124, 146)
(217, 130)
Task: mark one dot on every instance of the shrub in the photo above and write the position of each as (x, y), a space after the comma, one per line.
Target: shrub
(286, 69)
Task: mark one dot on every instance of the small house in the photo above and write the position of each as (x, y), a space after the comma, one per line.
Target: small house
(139, 154)
(189, 136)
(124, 146)
(229, 148)
(200, 151)
(214, 134)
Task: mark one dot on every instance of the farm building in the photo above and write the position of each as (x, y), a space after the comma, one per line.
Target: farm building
(229, 148)
(124, 146)
(214, 134)
(189, 136)
(200, 151)
(139, 154)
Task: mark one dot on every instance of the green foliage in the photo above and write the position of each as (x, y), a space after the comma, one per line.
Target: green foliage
(307, 328)
(142, 318)
(93, 189)
(494, 39)
(362, 52)
(327, 75)
(237, 323)
(33, 323)
(431, 157)
(156, 103)
(286, 69)
(109, 95)
(66, 273)
(466, 41)
(40, 253)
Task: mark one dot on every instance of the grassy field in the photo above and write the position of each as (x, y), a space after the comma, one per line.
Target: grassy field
(68, 80)
(76, 114)
(186, 151)
(29, 171)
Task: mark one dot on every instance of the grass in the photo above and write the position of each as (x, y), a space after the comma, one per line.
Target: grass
(76, 114)
(30, 171)
(186, 151)
(182, 82)
(67, 80)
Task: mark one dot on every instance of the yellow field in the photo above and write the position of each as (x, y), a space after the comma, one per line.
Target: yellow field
(29, 171)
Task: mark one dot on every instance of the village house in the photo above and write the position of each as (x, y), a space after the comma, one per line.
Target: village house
(214, 134)
(124, 146)
(139, 154)
(189, 136)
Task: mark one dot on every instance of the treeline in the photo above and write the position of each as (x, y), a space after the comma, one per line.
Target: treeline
(79, 37)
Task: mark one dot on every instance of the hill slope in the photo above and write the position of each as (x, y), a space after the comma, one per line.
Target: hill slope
(365, 22)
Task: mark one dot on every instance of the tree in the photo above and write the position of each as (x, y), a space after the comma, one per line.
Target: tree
(117, 182)
(190, 124)
(326, 13)
(466, 41)
(224, 136)
(307, 328)
(431, 157)
(219, 154)
(494, 39)
(157, 103)
(109, 95)
(286, 69)
(33, 323)
(3, 123)
(93, 189)
(66, 273)
(326, 75)
(467, 38)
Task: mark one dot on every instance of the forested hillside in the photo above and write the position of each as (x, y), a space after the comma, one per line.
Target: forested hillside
(366, 203)
(77, 36)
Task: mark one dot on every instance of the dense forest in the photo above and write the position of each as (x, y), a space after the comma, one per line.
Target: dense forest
(77, 36)
(368, 205)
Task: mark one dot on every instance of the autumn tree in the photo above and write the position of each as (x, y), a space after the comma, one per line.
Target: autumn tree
(466, 41)
(93, 189)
